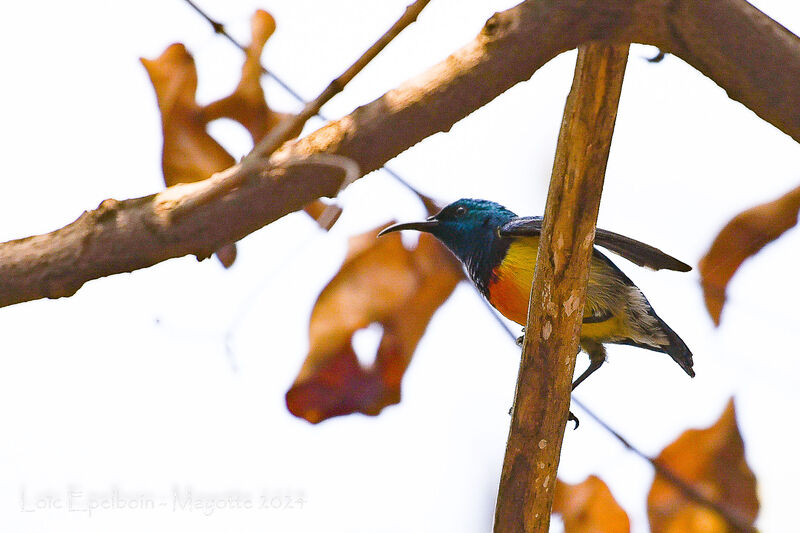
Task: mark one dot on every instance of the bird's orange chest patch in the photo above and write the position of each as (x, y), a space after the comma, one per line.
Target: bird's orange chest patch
(510, 284)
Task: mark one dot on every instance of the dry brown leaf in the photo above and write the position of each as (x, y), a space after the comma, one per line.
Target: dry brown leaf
(589, 507)
(380, 282)
(712, 461)
(741, 238)
(189, 153)
(247, 104)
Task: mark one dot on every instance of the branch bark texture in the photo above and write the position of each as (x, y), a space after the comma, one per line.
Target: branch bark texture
(752, 57)
(555, 314)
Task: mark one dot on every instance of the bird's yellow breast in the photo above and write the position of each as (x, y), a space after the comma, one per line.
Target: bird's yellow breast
(510, 284)
(510, 287)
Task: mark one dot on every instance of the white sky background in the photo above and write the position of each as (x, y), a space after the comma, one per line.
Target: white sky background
(128, 386)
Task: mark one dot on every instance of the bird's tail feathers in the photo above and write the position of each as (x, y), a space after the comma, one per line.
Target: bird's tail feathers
(676, 348)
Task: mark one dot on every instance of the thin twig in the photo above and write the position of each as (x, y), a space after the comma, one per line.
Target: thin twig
(285, 129)
(729, 515)
(220, 28)
(283, 133)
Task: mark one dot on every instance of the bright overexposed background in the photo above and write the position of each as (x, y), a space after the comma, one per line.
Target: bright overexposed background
(167, 385)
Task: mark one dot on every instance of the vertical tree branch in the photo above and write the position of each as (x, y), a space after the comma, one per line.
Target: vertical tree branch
(555, 314)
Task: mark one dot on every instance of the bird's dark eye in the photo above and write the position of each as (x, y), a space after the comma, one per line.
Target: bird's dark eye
(460, 211)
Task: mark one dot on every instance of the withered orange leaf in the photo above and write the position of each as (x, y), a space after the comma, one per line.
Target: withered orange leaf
(189, 152)
(247, 104)
(380, 282)
(741, 238)
(712, 461)
(589, 507)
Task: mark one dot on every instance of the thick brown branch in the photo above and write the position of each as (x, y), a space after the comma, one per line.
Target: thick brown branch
(132, 234)
(753, 58)
(544, 384)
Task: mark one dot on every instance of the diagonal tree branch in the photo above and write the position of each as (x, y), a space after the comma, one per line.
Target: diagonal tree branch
(544, 384)
(753, 58)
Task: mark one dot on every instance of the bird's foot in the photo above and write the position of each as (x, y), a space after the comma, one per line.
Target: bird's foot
(573, 418)
(570, 418)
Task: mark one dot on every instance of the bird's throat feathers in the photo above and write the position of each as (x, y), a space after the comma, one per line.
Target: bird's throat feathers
(479, 251)
(472, 235)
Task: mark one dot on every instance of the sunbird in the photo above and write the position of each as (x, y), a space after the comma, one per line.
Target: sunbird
(499, 250)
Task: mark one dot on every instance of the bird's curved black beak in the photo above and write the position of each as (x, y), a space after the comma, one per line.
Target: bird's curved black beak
(425, 226)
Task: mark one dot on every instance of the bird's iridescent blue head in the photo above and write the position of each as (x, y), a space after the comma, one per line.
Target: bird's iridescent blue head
(465, 226)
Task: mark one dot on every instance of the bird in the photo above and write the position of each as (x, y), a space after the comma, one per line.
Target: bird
(499, 249)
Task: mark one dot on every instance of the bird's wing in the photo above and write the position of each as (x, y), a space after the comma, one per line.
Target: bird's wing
(635, 251)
